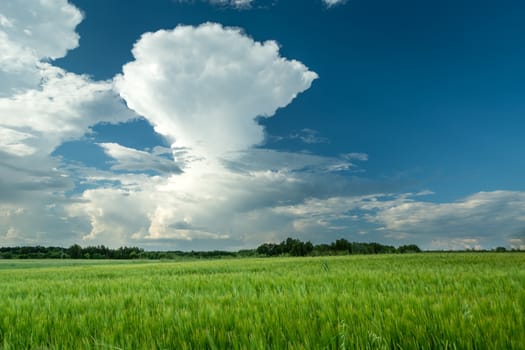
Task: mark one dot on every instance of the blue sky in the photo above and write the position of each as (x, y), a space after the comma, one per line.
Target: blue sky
(225, 124)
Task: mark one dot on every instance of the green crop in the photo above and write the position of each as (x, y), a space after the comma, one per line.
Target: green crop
(419, 301)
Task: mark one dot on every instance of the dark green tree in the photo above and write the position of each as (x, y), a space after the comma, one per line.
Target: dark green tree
(75, 251)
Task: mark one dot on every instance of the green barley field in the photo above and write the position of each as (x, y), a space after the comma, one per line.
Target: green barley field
(420, 301)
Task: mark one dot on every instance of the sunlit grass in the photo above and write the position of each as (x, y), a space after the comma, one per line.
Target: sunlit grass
(428, 301)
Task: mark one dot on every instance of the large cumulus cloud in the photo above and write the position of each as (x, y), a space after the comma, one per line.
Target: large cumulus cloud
(202, 87)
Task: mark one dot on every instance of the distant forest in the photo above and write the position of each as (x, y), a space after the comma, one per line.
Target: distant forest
(288, 247)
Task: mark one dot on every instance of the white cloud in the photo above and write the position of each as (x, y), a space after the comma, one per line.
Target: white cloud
(12, 141)
(5, 22)
(113, 214)
(39, 114)
(41, 106)
(32, 31)
(482, 220)
(40, 223)
(33, 124)
(134, 160)
(45, 27)
(264, 159)
(63, 108)
(517, 243)
(32, 202)
(232, 204)
(457, 216)
(202, 87)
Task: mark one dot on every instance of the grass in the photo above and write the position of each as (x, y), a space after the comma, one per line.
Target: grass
(422, 301)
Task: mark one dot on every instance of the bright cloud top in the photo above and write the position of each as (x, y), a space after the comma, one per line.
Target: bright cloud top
(202, 87)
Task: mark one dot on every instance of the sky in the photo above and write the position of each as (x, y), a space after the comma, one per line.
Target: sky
(224, 124)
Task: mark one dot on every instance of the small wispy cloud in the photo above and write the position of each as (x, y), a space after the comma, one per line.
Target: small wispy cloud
(238, 4)
(130, 159)
(356, 156)
(306, 135)
(309, 136)
(331, 3)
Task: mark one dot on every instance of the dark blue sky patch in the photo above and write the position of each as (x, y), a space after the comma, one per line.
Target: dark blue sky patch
(83, 152)
(137, 134)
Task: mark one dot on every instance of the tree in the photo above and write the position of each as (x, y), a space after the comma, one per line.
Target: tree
(341, 245)
(75, 251)
(410, 248)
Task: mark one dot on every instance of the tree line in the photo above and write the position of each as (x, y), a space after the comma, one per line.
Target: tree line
(101, 252)
(296, 247)
(288, 247)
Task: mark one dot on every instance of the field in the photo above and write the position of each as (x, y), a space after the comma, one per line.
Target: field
(423, 301)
